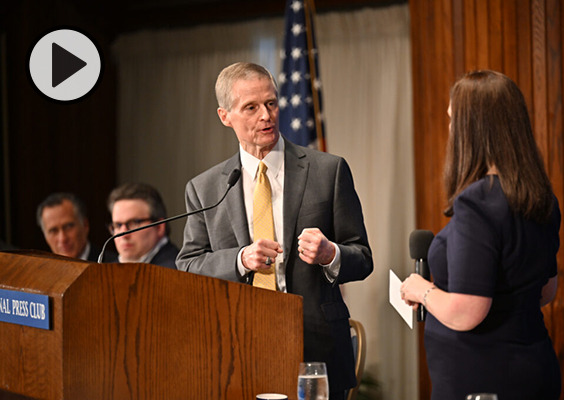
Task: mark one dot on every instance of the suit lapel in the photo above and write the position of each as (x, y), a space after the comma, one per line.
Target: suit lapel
(235, 204)
(295, 177)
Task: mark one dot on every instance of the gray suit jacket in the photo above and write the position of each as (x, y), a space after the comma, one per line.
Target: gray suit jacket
(318, 192)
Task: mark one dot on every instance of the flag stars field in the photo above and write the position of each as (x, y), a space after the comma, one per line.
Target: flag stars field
(296, 53)
(300, 100)
(296, 6)
(297, 29)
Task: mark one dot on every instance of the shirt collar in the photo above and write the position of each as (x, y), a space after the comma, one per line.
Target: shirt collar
(85, 252)
(273, 160)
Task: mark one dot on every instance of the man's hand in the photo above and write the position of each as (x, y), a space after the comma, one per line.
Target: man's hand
(314, 247)
(256, 255)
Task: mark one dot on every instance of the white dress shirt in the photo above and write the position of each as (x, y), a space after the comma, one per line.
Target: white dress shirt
(274, 160)
(85, 252)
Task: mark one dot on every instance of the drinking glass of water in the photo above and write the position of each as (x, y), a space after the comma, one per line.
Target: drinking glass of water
(481, 396)
(312, 381)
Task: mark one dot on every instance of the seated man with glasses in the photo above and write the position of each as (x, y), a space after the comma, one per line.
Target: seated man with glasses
(133, 205)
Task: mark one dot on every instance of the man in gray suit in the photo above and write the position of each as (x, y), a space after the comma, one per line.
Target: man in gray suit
(320, 238)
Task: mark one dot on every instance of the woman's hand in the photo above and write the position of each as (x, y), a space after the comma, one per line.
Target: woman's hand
(413, 289)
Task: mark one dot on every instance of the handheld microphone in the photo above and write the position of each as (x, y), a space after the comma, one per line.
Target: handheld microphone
(231, 181)
(419, 242)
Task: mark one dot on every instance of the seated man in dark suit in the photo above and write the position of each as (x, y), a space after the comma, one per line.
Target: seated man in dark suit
(133, 205)
(62, 218)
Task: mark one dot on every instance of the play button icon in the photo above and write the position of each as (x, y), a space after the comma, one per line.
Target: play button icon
(65, 65)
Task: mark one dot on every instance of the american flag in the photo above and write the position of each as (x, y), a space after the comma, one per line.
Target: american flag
(299, 84)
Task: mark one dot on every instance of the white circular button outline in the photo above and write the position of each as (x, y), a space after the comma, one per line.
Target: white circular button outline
(81, 45)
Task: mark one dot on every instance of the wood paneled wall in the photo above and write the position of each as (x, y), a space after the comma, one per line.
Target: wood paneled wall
(521, 38)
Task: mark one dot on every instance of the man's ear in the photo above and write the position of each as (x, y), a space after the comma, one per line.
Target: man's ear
(224, 117)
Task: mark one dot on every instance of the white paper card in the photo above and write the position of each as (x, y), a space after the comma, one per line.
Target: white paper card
(401, 307)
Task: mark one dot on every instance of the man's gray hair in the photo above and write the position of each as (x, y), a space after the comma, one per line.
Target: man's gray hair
(231, 74)
(56, 199)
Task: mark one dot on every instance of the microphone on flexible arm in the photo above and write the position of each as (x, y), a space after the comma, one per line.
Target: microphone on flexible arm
(231, 181)
(419, 242)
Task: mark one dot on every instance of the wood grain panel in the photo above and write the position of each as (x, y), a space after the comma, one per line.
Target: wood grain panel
(433, 39)
(524, 55)
(458, 37)
(470, 35)
(139, 331)
(429, 148)
(554, 160)
(482, 34)
(538, 112)
(495, 29)
(521, 38)
(23, 371)
(509, 32)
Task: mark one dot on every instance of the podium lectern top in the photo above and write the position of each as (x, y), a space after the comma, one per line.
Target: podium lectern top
(139, 331)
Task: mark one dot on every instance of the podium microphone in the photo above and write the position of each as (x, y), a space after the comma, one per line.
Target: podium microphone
(419, 242)
(231, 181)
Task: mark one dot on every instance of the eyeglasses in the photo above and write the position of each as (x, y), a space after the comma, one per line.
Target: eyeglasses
(135, 223)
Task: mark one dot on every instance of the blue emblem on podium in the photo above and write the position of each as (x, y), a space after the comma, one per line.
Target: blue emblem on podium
(23, 308)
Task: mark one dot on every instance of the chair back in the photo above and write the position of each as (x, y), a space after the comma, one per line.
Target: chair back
(358, 337)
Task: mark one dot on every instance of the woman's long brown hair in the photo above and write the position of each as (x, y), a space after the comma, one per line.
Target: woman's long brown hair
(490, 126)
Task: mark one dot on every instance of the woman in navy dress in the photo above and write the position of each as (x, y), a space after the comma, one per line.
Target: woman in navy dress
(494, 264)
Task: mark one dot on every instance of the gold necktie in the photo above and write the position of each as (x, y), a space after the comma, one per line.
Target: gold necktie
(263, 225)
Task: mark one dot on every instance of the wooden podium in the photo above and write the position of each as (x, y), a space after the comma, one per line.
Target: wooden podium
(138, 331)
